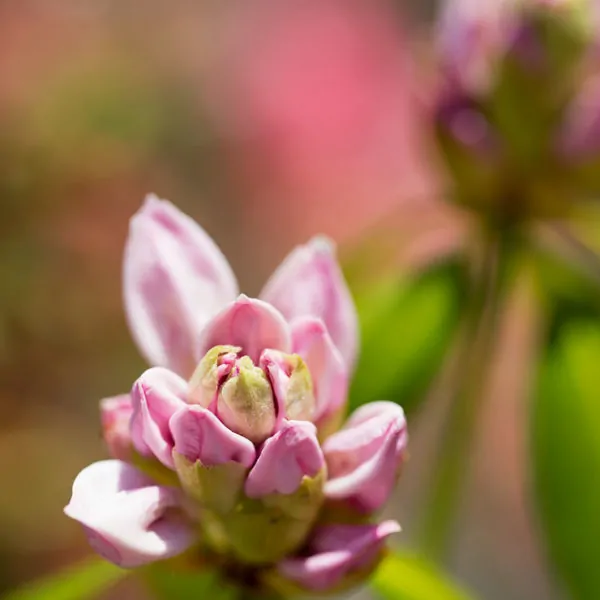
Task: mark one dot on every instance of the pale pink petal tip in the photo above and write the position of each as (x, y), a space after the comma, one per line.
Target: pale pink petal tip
(363, 458)
(337, 551)
(310, 283)
(115, 416)
(175, 280)
(252, 324)
(199, 435)
(128, 519)
(156, 396)
(285, 459)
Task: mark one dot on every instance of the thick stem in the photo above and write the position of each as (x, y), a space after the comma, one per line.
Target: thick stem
(458, 431)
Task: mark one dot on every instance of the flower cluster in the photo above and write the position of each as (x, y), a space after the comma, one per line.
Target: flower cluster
(517, 114)
(229, 447)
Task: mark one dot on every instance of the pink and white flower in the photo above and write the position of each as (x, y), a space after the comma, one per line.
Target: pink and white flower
(235, 407)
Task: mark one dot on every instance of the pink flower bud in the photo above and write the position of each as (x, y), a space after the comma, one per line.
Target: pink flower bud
(200, 436)
(338, 555)
(312, 342)
(156, 396)
(253, 400)
(236, 439)
(251, 324)
(175, 280)
(579, 138)
(128, 519)
(285, 459)
(363, 458)
(310, 283)
(115, 415)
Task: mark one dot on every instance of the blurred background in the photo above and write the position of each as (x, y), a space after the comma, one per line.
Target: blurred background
(268, 122)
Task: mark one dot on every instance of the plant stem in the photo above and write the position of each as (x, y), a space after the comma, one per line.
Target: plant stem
(458, 430)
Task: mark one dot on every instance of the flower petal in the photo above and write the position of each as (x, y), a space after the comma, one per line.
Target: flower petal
(156, 396)
(199, 435)
(364, 457)
(309, 282)
(311, 340)
(292, 386)
(251, 324)
(175, 280)
(285, 458)
(115, 416)
(337, 552)
(128, 519)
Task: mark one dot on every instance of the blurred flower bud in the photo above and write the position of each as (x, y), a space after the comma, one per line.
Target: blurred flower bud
(115, 415)
(509, 67)
(578, 140)
(470, 147)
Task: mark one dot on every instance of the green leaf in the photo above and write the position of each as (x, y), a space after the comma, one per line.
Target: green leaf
(78, 582)
(565, 451)
(406, 577)
(407, 328)
(169, 583)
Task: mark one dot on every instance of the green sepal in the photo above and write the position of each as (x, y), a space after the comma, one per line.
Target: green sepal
(256, 531)
(214, 488)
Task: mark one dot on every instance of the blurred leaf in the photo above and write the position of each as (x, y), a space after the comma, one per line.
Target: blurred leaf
(406, 577)
(81, 581)
(407, 328)
(565, 445)
(177, 584)
(569, 283)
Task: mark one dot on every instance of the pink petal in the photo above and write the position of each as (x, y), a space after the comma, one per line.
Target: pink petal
(128, 519)
(251, 324)
(199, 435)
(309, 282)
(301, 407)
(337, 550)
(285, 458)
(364, 457)
(115, 415)
(312, 342)
(156, 396)
(175, 280)
(273, 364)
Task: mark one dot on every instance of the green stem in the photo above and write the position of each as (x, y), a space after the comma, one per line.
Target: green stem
(459, 428)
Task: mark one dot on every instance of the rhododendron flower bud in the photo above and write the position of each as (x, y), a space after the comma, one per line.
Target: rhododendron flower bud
(115, 415)
(238, 459)
(338, 556)
(250, 399)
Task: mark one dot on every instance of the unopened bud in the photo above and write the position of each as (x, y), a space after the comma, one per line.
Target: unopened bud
(253, 400)
(246, 403)
(212, 370)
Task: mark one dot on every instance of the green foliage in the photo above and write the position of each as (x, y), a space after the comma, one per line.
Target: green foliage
(565, 445)
(85, 580)
(173, 584)
(406, 577)
(407, 328)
